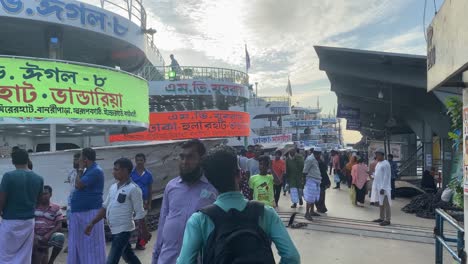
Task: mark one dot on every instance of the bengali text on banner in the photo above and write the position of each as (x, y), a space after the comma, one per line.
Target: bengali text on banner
(51, 89)
(191, 124)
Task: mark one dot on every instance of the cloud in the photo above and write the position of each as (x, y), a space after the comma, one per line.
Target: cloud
(411, 42)
(280, 35)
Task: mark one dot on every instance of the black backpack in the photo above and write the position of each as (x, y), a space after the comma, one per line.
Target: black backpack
(237, 238)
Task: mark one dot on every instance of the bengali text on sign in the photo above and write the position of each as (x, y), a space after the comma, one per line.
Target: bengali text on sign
(285, 138)
(50, 89)
(198, 87)
(191, 124)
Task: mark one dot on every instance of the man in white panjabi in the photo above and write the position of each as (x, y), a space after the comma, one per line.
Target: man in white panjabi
(381, 188)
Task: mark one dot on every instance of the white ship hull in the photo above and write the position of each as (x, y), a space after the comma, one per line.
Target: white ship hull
(162, 161)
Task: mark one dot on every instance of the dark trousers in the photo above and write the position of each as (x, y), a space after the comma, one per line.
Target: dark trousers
(277, 192)
(121, 248)
(321, 207)
(393, 189)
(349, 180)
(360, 194)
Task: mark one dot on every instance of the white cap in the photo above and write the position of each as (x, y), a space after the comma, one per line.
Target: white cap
(317, 149)
(380, 150)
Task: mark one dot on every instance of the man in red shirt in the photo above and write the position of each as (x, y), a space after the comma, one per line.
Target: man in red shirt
(279, 169)
(48, 222)
(250, 152)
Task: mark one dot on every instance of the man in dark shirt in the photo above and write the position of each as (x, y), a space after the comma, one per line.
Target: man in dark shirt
(324, 185)
(19, 192)
(394, 168)
(428, 183)
(86, 202)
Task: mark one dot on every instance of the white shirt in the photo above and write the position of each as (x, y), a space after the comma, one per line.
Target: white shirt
(253, 166)
(72, 178)
(120, 214)
(382, 181)
(243, 163)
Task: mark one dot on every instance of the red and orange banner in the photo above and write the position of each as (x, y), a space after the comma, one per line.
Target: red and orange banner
(191, 124)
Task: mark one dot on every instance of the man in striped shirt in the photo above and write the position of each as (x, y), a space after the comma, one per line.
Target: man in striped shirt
(48, 223)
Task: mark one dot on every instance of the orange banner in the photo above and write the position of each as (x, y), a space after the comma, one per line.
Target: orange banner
(191, 124)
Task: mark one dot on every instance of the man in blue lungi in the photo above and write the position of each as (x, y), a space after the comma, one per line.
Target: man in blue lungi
(86, 202)
(312, 184)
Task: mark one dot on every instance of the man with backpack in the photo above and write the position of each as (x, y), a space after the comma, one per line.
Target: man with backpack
(233, 230)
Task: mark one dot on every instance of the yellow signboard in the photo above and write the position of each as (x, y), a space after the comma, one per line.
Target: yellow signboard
(51, 89)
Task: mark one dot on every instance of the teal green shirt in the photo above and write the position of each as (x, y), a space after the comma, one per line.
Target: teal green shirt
(22, 188)
(200, 226)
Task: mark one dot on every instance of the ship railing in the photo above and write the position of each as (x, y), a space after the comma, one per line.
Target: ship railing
(135, 12)
(168, 73)
(270, 131)
(154, 49)
(271, 101)
(307, 109)
(133, 9)
(294, 117)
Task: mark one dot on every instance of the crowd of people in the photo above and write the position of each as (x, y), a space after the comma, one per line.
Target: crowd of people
(221, 206)
(304, 174)
(301, 173)
(377, 180)
(31, 223)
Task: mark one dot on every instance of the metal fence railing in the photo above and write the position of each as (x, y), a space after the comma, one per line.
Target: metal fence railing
(271, 101)
(155, 73)
(132, 9)
(441, 241)
(270, 131)
(135, 12)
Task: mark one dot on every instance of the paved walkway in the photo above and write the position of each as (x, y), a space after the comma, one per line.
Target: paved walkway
(327, 247)
(331, 247)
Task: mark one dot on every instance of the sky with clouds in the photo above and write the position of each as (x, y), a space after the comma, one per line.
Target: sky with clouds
(280, 35)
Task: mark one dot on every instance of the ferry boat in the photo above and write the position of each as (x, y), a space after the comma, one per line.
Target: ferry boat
(276, 123)
(75, 75)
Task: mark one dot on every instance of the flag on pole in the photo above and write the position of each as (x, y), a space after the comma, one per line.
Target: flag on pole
(247, 58)
(288, 88)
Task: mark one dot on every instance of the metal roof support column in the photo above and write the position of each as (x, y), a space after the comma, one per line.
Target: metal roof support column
(106, 137)
(427, 142)
(389, 136)
(53, 137)
(465, 132)
(447, 156)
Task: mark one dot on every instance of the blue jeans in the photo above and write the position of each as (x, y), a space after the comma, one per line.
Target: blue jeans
(122, 248)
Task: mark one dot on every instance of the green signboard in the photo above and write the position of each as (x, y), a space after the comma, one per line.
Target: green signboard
(51, 89)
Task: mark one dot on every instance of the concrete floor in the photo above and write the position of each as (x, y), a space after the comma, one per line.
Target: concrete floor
(324, 247)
